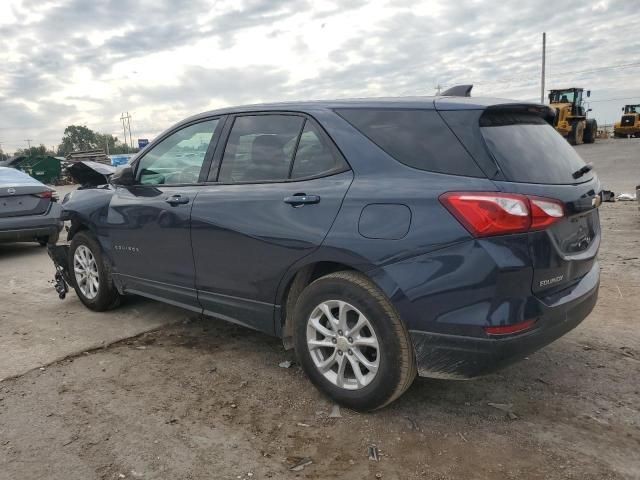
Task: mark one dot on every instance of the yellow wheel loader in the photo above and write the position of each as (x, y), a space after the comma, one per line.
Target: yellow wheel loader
(629, 124)
(571, 116)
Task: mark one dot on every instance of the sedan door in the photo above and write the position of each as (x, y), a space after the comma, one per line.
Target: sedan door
(150, 222)
(280, 185)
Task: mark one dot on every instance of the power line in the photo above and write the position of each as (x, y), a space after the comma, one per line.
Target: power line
(612, 99)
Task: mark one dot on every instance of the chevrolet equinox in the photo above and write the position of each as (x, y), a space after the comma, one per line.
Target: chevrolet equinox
(380, 238)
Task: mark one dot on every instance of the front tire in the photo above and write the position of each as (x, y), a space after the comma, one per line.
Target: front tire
(591, 131)
(352, 343)
(91, 276)
(576, 136)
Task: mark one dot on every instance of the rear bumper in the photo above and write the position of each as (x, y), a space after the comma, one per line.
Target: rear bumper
(30, 228)
(461, 357)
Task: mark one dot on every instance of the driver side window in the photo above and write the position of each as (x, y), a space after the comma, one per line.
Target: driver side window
(178, 158)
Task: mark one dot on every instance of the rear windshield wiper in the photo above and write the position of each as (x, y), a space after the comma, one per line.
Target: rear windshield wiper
(586, 169)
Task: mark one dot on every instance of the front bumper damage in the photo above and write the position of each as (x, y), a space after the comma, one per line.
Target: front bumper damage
(59, 254)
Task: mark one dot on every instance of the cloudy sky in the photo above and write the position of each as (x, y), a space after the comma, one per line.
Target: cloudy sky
(86, 61)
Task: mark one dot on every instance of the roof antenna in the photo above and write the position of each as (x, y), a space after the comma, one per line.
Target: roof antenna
(458, 91)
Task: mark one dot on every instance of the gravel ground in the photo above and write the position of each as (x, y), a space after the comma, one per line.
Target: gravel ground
(202, 399)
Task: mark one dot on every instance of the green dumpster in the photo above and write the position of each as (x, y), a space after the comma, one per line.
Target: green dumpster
(43, 168)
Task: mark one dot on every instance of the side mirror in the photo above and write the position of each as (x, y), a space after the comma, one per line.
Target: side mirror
(622, 109)
(588, 93)
(123, 176)
(590, 110)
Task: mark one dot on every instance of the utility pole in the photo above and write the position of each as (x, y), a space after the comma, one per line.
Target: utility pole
(438, 87)
(129, 125)
(544, 60)
(124, 119)
(28, 140)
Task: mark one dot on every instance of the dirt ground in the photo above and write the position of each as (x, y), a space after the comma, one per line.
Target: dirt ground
(202, 399)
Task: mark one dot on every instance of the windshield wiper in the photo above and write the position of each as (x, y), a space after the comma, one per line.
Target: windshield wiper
(586, 169)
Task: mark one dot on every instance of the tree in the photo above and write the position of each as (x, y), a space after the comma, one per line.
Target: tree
(77, 138)
(40, 150)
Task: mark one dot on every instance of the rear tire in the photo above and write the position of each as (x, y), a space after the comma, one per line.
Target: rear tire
(91, 275)
(380, 348)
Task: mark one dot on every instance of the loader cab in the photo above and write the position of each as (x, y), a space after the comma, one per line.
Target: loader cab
(631, 109)
(571, 96)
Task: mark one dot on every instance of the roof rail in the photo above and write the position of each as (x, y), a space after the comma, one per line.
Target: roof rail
(458, 91)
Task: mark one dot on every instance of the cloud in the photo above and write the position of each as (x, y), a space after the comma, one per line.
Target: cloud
(86, 61)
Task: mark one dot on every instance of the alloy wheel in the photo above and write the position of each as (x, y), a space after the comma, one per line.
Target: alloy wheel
(85, 268)
(343, 344)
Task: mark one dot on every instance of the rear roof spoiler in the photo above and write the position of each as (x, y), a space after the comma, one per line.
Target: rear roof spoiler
(458, 91)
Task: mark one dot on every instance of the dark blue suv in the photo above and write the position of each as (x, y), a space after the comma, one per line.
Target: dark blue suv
(381, 238)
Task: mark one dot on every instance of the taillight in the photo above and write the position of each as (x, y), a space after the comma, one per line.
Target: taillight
(485, 214)
(545, 212)
(48, 194)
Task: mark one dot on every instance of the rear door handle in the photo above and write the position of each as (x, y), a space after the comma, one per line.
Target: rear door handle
(300, 199)
(177, 199)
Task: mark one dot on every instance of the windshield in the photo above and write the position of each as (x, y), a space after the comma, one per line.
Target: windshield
(529, 150)
(632, 109)
(562, 96)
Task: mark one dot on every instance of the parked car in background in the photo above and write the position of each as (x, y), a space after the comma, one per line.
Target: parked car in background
(29, 211)
(444, 236)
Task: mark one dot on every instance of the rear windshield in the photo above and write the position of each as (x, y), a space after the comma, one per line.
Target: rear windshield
(10, 177)
(417, 138)
(529, 150)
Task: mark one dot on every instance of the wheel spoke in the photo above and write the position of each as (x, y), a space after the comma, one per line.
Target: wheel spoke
(362, 321)
(343, 308)
(365, 342)
(320, 343)
(342, 363)
(371, 366)
(333, 321)
(326, 365)
(355, 366)
(321, 329)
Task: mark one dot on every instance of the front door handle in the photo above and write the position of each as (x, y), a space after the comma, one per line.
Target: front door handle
(177, 199)
(301, 199)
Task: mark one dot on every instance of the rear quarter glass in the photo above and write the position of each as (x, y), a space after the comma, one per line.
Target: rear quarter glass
(529, 150)
(416, 138)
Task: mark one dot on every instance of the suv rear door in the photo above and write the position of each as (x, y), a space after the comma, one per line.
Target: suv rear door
(275, 189)
(529, 157)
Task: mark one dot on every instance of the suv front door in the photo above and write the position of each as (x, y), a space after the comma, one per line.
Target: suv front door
(149, 222)
(280, 185)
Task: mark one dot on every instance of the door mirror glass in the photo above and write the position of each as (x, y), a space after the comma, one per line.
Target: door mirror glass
(588, 93)
(122, 176)
(177, 159)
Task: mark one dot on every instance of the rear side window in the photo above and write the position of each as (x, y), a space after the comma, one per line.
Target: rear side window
(315, 155)
(529, 150)
(260, 148)
(417, 138)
